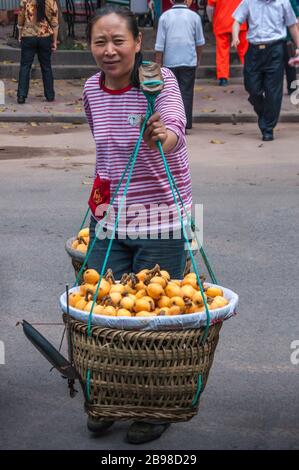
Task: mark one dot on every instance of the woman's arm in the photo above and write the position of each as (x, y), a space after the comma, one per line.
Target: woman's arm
(54, 21)
(21, 19)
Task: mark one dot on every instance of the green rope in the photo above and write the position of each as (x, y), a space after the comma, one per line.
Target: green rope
(135, 153)
(85, 217)
(151, 82)
(117, 219)
(193, 228)
(198, 390)
(101, 224)
(151, 102)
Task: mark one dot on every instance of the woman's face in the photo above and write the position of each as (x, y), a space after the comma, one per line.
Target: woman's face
(114, 47)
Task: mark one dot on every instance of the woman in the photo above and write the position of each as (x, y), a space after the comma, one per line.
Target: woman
(115, 107)
(38, 30)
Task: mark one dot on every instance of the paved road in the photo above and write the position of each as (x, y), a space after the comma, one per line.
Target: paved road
(250, 196)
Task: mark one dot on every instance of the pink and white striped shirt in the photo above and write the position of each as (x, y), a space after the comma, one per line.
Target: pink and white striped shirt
(114, 119)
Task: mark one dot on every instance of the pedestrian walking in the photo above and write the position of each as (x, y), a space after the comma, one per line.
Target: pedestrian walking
(179, 45)
(264, 61)
(288, 50)
(220, 14)
(114, 105)
(38, 30)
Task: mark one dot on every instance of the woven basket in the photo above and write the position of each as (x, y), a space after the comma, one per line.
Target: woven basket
(142, 374)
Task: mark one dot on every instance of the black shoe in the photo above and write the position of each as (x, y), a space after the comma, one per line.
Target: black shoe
(21, 99)
(268, 136)
(223, 82)
(98, 427)
(50, 99)
(140, 432)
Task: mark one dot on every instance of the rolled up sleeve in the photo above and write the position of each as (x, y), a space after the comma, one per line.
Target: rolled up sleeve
(199, 36)
(289, 15)
(161, 34)
(21, 15)
(54, 16)
(242, 12)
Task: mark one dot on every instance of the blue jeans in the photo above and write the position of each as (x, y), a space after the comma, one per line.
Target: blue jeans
(127, 256)
(43, 48)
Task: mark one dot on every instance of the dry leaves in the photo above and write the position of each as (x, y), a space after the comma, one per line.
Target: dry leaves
(215, 141)
(33, 124)
(208, 110)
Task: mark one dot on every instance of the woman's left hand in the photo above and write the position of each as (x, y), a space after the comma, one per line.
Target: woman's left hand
(155, 130)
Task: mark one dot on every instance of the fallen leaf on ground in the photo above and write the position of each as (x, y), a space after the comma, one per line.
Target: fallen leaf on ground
(208, 97)
(217, 141)
(79, 109)
(33, 124)
(14, 80)
(66, 127)
(208, 110)
(87, 183)
(2, 110)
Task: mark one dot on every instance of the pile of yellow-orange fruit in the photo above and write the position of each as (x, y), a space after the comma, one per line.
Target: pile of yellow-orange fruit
(148, 293)
(82, 240)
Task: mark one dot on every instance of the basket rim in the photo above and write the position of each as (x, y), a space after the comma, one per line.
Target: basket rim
(75, 254)
(192, 320)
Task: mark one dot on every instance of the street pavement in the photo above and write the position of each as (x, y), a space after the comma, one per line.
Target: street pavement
(211, 102)
(249, 191)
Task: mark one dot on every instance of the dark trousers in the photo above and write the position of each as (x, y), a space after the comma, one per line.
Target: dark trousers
(290, 71)
(42, 47)
(263, 79)
(186, 79)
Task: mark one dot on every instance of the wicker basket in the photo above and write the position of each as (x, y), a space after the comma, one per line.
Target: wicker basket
(142, 374)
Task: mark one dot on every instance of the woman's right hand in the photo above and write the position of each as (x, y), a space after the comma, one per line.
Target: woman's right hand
(54, 46)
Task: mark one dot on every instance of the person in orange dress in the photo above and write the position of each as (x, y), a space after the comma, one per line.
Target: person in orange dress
(220, 14)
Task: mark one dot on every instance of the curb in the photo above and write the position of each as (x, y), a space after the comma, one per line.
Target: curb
(202, 118)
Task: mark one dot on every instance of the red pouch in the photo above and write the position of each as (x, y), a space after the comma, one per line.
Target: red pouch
(100, 195)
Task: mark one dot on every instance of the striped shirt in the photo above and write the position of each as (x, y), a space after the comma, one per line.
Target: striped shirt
(114, 120)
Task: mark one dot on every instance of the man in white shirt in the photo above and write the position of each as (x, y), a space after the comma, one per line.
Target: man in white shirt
(179, 46)
(268, 21)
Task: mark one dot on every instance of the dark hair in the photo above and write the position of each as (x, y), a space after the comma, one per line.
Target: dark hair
(130, 18)
(41, 9)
